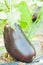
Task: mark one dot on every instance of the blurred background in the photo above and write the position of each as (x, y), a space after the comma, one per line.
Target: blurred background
(29, 14)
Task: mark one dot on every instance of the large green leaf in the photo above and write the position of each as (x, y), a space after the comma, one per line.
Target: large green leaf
(26, 16)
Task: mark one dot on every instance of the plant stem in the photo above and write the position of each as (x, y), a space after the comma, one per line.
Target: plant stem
(7, 5)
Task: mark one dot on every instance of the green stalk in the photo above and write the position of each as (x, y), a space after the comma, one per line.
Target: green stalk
(7, 5)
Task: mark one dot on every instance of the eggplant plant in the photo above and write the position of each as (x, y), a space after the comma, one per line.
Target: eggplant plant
(20, 13)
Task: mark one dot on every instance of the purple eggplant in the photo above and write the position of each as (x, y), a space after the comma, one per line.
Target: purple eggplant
(17, 44)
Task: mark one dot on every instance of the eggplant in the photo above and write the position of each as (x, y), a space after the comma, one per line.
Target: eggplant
(17, 44)
(34, 17)
(36, 13)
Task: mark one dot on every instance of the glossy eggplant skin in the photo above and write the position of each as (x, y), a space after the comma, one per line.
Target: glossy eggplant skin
(17, 44)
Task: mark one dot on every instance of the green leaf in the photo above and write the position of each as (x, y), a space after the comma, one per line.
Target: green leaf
(3, 7)
(9, 3)
(25, 17)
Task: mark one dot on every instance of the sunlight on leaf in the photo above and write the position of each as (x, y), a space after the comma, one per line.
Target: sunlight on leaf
(25, 17)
